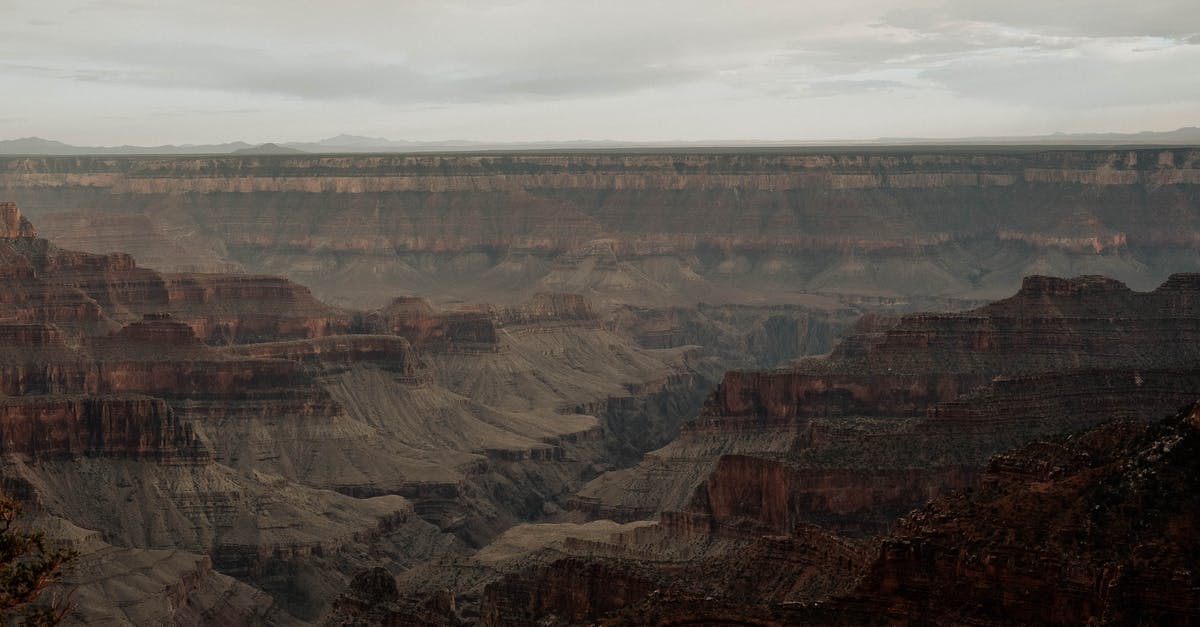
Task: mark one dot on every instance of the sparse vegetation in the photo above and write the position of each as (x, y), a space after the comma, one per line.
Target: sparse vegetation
(28, 565)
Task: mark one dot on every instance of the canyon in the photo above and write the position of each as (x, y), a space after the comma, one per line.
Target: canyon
(752, 387)
(281, 441)
(774, 502)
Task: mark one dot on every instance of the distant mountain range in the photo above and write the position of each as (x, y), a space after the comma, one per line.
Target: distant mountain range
(359, 144)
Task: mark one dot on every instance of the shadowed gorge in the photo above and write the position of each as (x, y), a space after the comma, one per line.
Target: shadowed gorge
(239, 418)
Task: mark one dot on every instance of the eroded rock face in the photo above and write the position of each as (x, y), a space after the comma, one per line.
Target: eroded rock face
(415, 320)
(1094, 527)
(911, 407)
(12, 223)
(744, 336)
(1099, 526)
(120, 426)
(682, 556)
(645, 230)
(90, 295)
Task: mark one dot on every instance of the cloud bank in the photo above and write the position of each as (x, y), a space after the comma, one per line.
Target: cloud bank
(164, 71)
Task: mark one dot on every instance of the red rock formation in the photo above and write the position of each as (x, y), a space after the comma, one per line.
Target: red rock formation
(904, 412)
(12, 224)
(571, 591)
(547, 307)
(1050, 325)
(132, 427)
(90, 294)
(1096, 527)
(269, 380)
(681, 557)
(415, 320)
(239, 308)
(760, 336)
(778, 496)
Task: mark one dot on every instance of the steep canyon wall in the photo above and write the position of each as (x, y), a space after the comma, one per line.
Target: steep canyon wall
(647, 229)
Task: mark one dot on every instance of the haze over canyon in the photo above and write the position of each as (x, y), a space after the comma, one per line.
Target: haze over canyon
(726, 387)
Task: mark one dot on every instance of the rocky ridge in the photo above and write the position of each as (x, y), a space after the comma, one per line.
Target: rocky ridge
(654, 229)
(1093, 527)
(923, 400)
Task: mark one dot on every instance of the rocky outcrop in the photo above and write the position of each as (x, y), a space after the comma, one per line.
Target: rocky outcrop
(130, 427)
(1096, 527)
(246, 309)
(779, 496)
(569, 592)
(911, 408)
(548, 307)
(88, 294)
(12, 223)
(682, 556)
(1050, 325)
(745, 336)
(337, 351)
(415, 320)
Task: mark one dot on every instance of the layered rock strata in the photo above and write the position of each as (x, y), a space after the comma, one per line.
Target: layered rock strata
(909, 408)
(642, 229)
(290, 443)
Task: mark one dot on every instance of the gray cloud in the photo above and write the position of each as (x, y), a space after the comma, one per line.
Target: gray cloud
(1076, 82)
(337, 77)
(1082, 18)
(688, 66)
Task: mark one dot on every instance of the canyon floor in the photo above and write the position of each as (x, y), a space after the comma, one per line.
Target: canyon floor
(833, 388)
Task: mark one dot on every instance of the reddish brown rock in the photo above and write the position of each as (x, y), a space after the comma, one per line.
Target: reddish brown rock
(1096, 527)
(394, 352)
(778, 496)
(313, 438)
(546, 307)
(90, 294)
(131, 427)
(571, 591)
(415, 320)
(1050, 325)
(12, 223)
(907, 410)
(244, 309)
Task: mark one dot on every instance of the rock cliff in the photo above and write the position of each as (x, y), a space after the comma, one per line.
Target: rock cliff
(1095, 527)
(910, 408)
(13, 224)
(643, 229)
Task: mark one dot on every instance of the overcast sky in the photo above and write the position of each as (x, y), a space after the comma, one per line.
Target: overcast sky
(200, 71)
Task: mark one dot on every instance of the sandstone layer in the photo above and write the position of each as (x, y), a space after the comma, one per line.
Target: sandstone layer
(644, 229)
